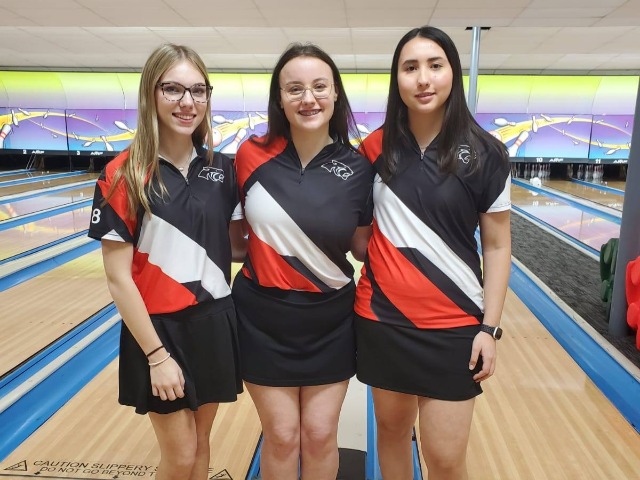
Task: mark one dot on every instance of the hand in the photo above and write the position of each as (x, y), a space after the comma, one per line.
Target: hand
(167, 381)
(484, 345)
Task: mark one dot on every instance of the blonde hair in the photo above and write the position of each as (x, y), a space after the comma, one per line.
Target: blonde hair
(142, 163)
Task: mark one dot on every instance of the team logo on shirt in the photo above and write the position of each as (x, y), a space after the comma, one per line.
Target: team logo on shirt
(464, 153)
(211, 173)
(339, 169)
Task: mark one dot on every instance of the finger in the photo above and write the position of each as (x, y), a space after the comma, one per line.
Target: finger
(181, 381)
(171, 395)
(163, 395)
(179, 391)
(475, 353)
(154, 391)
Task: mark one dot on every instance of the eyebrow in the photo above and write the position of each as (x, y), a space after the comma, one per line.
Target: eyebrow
(312, 81)
(430, 59)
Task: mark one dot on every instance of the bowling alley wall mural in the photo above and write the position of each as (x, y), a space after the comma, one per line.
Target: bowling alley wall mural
(576, 119)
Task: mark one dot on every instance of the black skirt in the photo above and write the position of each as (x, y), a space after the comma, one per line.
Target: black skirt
(291, 338)
(203, 340)
(425, 362)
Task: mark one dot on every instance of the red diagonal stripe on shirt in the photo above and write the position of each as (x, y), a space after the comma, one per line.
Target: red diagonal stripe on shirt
(273, 271)
(162, 294)
(426, 306)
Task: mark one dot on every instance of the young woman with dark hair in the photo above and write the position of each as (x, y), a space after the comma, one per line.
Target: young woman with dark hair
(305, 193)
(427, 313)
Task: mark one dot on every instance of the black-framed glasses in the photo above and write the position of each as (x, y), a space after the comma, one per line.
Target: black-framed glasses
(295, 91)
(174, 91)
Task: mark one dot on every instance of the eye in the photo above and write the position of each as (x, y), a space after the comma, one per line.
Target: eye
(199, 90)
(295, 89)
(436, 66)
(172, 88)
(410, 68)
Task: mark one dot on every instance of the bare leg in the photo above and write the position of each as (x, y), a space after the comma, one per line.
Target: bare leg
(279, 412)
(444, 435)
(395, 417)
(320, 408)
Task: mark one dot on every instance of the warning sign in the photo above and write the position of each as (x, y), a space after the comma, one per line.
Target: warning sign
(76, 469)
(70, 469)
(223, 475)
(20, 466)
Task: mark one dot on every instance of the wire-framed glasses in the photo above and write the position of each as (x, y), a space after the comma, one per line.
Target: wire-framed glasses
(174, 91)
(295, 91)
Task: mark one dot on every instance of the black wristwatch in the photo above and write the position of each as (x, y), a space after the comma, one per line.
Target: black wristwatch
(495, 332)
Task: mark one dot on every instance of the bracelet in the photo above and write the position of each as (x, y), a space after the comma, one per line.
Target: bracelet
(153, 364)
(154, 350)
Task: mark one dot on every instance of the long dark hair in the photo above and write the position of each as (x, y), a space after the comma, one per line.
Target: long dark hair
(458, 125)
(342, 124)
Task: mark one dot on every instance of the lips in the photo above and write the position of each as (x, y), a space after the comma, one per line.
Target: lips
(309, 113)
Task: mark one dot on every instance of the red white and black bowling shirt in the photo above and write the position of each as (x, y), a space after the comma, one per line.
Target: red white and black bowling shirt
(422, 268)
(182, 252)
(301, 220)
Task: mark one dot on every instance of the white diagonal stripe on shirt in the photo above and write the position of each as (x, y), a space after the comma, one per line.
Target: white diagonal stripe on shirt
(405, 230)
(277, 229)
(179, 257)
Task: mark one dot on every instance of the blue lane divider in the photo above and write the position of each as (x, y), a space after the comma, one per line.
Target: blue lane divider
(617, 384)
(40, 178)
(44, 247)
(24, 219)
(44, 266)
(593, 211)
(45, 191)
(52, 351)
(22, 418)
(605, 188)
(372, 466)
(254, 467)
(15, 172)
(564, 235)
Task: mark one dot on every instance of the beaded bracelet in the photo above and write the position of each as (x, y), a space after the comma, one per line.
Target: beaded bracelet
(154, 350)
(153, 364)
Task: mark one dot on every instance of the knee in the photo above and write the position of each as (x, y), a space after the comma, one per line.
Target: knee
(318, 438)
(179, 459)
(284, 440)
(447, 464)
(396, 425)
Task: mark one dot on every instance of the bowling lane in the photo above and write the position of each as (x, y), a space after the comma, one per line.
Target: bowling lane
(594, 194)
(588, 228)
(93, 437)
(24, 174)
(40, 310)
(43, 202)
(12, 189)
(619, 184)
(40, 232)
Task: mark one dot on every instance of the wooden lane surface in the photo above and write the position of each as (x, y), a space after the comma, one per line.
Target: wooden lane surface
(13, 189)
(540, 417)
(39, 311)
(619, 184)
(99, 439)
(31, 235)
(42, 202)
(593, 194)
(586, 227)
(21, 175)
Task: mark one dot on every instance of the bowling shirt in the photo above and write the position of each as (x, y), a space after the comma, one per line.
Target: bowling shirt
(301, 220)
(182, 252)
(422, 268)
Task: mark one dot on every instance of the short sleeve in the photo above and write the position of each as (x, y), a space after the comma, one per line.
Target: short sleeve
(496, 189)
(109, 220)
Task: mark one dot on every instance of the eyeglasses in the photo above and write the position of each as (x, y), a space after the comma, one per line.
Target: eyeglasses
(319, 90)
(174, 92)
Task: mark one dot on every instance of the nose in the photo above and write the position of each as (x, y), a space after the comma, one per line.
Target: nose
(187, 99)
(423, 77)
(304, 95)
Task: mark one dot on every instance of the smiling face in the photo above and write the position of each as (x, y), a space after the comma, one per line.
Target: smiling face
(425, 77)
(179, 119)
(307, 114)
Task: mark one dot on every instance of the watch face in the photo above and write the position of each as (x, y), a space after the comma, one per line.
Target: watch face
(498, 333)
